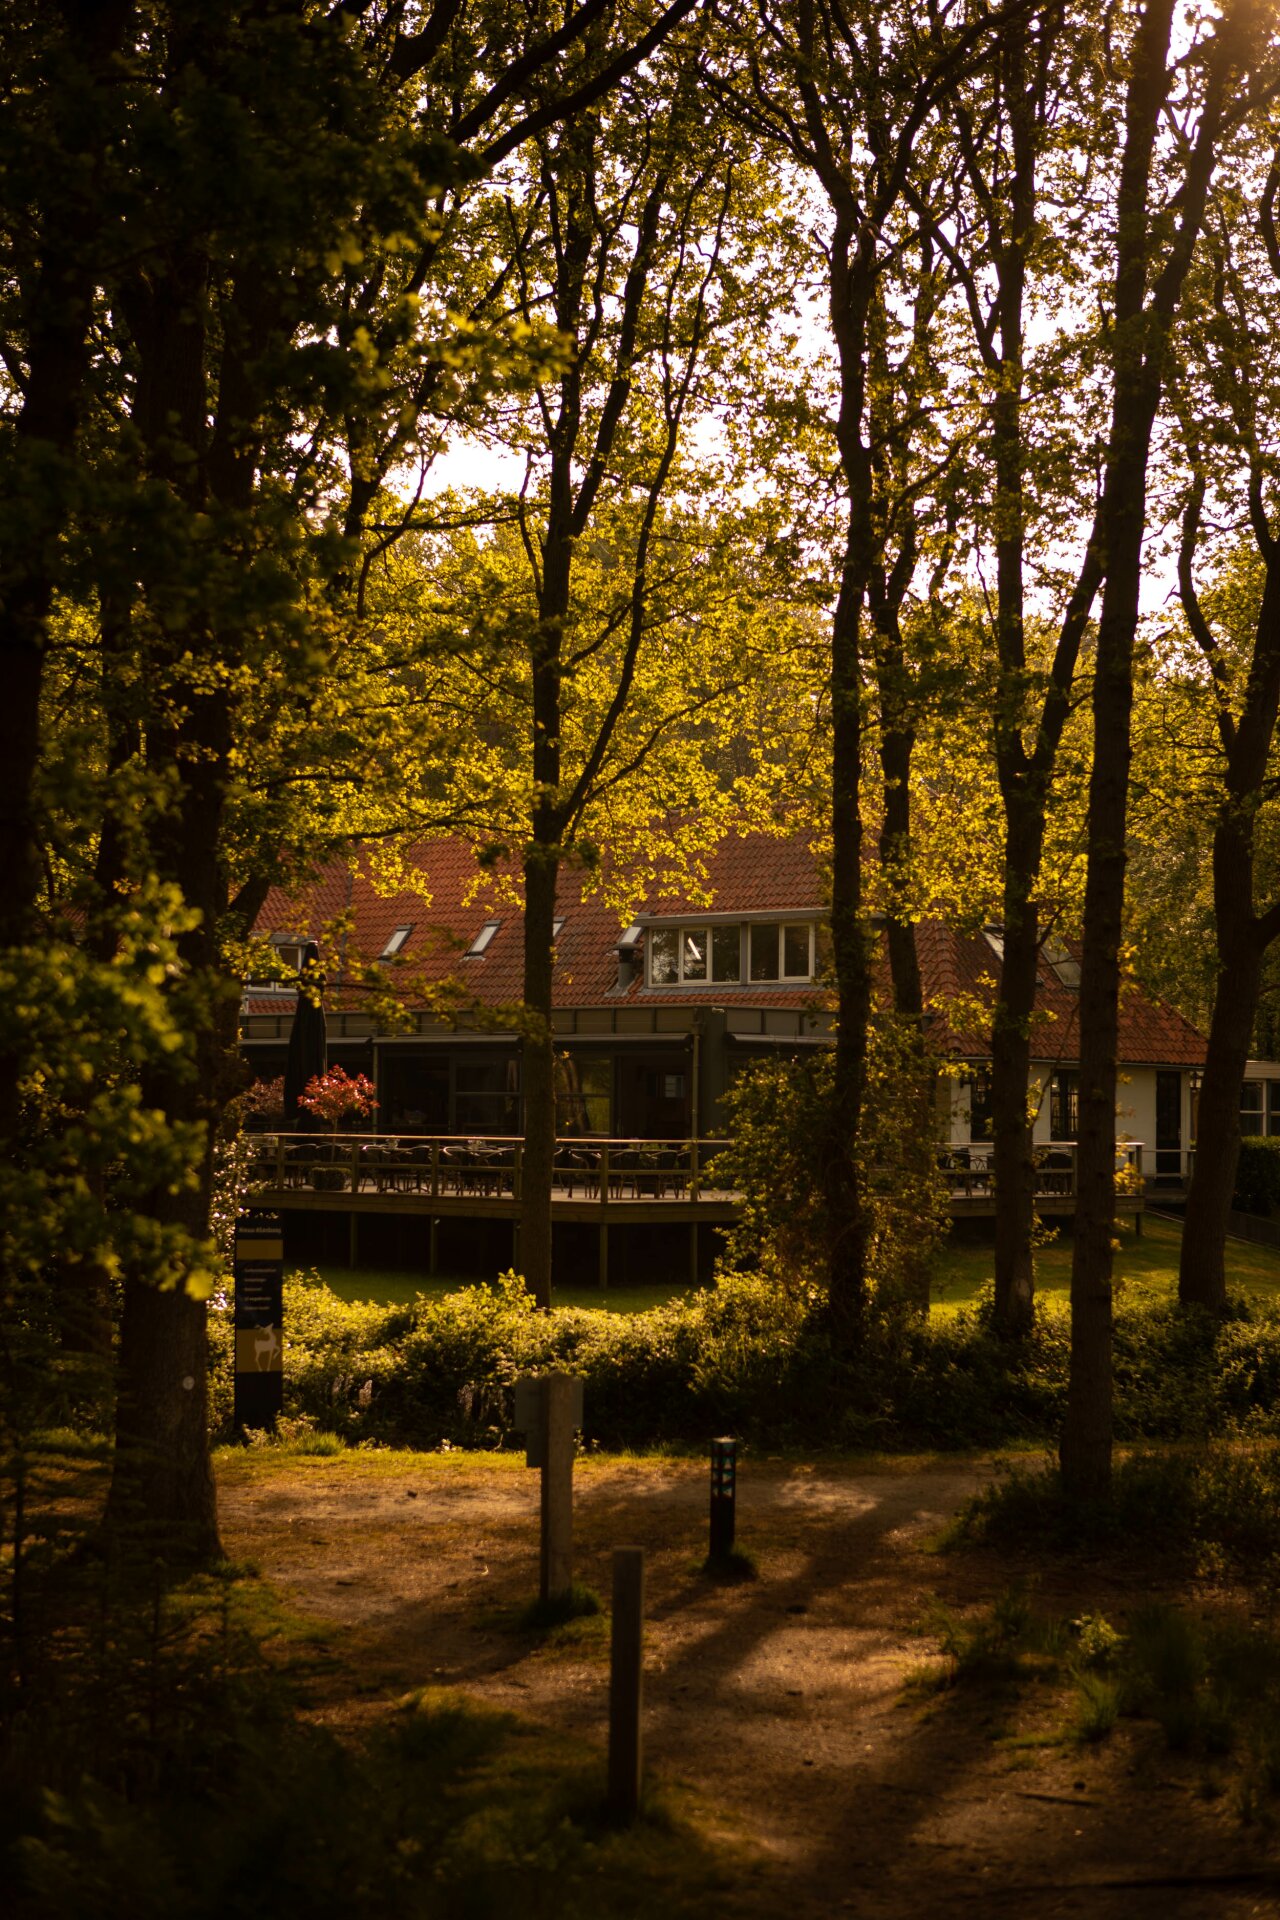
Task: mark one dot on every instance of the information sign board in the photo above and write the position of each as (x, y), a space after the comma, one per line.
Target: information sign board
(258, 1319)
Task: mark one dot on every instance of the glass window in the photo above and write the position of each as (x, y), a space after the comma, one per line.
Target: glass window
(584, 1093)
(481, 942)
(1064, 1105)
(694, 953)
(1251, 1108)
(764, 953)
(664, 956)
(980, 1107)
(486, 1095)
(726, 953)
(795, 952)
(395, 943)
(1273, 1106)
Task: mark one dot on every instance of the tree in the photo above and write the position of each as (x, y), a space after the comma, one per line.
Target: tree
(1158, 212)
(1226, 400)
(1029, 126)
(847, 93)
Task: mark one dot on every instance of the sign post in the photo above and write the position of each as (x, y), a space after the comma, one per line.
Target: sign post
(259, 1320)
(548, 1412)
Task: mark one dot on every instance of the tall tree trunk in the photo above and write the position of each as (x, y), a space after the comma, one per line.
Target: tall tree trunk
(1243, 936)
(1140, 343)
(161, 1486)
(538, 1071)
(847, 1251)
(1013, 1159)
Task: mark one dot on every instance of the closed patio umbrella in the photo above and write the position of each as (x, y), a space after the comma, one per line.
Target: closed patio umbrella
(308, 1044)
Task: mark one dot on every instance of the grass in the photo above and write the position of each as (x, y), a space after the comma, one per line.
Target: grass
(1146, 1268)
(388, 1288)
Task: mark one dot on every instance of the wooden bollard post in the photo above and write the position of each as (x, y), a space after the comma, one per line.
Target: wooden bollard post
(626, 1683)
(558, 1411)
(548, 1411)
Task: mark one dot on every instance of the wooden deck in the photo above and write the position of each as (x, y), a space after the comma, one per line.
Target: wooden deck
(596, 1182)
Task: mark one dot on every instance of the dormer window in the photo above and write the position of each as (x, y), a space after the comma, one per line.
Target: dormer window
(715, 954)
(481, 942)
(287, 953)
(782, 952)
(395, 943)
(1060, 959)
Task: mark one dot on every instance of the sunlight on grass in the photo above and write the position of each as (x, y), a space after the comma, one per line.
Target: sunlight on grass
(385, 1287)
(1146, 1268)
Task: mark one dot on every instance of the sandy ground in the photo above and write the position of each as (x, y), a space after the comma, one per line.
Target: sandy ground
(780, 1702)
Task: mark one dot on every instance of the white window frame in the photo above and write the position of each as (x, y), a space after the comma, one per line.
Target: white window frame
(707, 930)
(280, 944)
(396, 942)
(480, 945)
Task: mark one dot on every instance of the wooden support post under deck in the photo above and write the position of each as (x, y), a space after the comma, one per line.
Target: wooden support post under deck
(353, 1240)
(604, 1257)
(433, 1242)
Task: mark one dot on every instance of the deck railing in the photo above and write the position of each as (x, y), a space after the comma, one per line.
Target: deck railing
(450, 1167)
(968, 1171)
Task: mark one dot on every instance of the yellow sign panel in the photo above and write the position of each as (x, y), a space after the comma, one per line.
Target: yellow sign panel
(252, 1246)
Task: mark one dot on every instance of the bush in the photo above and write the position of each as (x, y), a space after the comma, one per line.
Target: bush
(1258, 1177)
(743, 1357)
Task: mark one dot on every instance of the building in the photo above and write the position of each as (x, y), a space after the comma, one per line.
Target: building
(659, 1010)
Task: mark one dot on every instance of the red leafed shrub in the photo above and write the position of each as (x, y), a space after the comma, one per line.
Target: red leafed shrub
(265, 1099)
(337, 1096)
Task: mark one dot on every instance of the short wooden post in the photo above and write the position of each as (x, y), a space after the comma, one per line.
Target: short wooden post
(626, 1684)
(433, 1242)
(353, 1241)
(557, 1486)
(603, 1270)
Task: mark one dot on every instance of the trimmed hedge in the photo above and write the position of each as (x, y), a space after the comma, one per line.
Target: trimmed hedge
(1258, 1177)
(741, 1358)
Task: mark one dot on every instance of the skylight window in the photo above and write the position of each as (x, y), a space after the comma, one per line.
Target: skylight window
(1061, 960)
(630, 940)
(481, 942)
(555, 931)
(995, 940)
(395, 943)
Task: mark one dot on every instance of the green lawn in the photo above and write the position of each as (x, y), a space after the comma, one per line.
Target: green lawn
(1146, 1267)
(396, 1289)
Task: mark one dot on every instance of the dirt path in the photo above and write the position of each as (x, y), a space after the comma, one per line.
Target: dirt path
(781, 1702)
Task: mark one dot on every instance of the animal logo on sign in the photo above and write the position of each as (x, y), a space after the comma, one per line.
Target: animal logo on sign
(266, 1349)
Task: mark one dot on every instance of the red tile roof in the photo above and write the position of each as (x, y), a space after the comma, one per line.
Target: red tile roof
(446, 896)
(959, 973)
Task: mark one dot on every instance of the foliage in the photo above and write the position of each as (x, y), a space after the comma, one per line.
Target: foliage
(779, 1121)
(264, 1100)
(747, 1357)
(1258, 1177)
(336, 1096)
